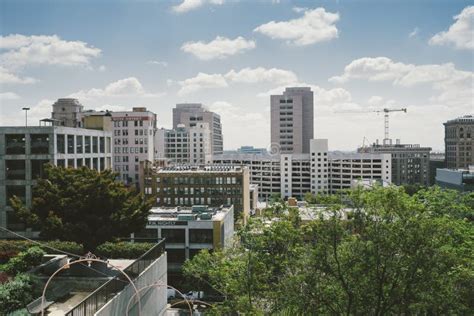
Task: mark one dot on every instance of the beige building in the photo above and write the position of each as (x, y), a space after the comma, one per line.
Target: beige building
(292, 120)
(459, 142)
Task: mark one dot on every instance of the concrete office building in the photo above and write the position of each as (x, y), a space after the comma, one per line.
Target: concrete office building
(457, 179)
(188, 230)
(350, 169)
(193, 185)
(293, 175)
(25, 150)
(292, 120)
(190, 114)
(459, 142)
(410, 162)
(252, 150)
(185, 145)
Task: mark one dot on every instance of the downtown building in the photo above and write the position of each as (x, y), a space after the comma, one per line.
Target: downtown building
(292, 120)
(190, 185)
(24, 151)
(459, 142)
(410, 162)
(190, 114)
(318, 172)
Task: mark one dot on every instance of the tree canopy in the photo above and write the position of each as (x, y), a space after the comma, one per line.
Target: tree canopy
(83, 205)
(392, 254)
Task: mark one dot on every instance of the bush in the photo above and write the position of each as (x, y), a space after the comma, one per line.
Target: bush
(17, 293)
(123, 250)
(24, 261)
(10, 248)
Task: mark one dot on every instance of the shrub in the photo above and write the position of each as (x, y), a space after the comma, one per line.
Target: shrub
(123, 250)
(10, 248)
(17, 293)
(24, 261)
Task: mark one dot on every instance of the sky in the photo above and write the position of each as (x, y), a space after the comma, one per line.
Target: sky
(357, 56)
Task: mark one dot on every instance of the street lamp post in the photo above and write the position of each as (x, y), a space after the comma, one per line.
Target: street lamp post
(26, 115)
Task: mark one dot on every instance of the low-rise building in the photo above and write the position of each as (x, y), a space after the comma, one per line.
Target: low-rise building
(188, 230)
(457, 179)
(25, 150)
(198, 185)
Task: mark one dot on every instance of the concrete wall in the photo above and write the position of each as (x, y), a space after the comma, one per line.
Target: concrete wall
(153, 300)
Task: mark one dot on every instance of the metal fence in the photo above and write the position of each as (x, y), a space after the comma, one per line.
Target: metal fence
(94, 301)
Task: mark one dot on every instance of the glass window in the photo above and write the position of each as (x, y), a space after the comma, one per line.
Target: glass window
(39, 143)
(60, 144)
(37, 168)
(102, 144)
(70, 144)
(102, 164)
(79, 144)
(200, 236)
(15, 144)
(95, 146)
(70, 163)
(15, 169)
(87, 146)
(173, 235)
(176, 255)
(61, 163)
(95, 163)
(88, 162)
(79, 162)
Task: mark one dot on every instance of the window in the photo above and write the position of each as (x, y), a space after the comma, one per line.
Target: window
(173, 235)
(60, 144)
(200, 236)
(87, 145)
(15, 144)
(39, 143)
(37, 168)
(70, 144)
(15, 169)
(79, 144)
(102, 145)
(95, 145)
(176, 255)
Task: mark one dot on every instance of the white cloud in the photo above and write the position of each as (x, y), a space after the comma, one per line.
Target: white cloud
(314, 26)
(128, 87)
(102, 68)
(8, 96)
(21, 50)
(414, 32)
(260, 74)
(158, 63)
(460, 34)
(37, 112)
(299, 9)
(189, 5)
(455, 86)
(245, 75)
(7, 76)
(219, 48)
(202, 81)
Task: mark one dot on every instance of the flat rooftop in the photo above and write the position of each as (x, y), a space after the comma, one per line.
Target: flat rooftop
(200, 169)
(190, 213)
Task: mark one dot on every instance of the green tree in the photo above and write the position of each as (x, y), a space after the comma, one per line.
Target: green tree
(83, 205)
(394, 254)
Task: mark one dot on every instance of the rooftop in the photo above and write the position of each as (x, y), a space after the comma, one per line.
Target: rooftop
(194, 213)
(462, 119)
(200, 169)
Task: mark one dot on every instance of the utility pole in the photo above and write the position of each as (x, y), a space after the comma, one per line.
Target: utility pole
(26, 115)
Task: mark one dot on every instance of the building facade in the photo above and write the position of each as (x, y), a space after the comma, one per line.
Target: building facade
(190, 114)
(459, 142)
(188, 230)
(292, 120)
(457, 179)
(206, 185)
(410, 162)
(68, 112)
(25, 150)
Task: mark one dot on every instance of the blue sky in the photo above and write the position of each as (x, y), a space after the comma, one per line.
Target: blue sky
(358, 56)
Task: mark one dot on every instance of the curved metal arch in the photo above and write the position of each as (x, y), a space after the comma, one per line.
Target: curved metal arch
(89, 260)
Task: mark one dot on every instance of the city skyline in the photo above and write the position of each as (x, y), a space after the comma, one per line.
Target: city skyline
(354, 56)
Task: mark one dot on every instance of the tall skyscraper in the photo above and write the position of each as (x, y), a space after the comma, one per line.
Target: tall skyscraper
(190, 114)
(459, 142)
(292, 120)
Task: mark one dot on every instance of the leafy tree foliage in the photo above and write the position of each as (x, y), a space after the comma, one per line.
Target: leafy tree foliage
(83, 205)
(17, 293)
(24, 261)
(393, 254)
